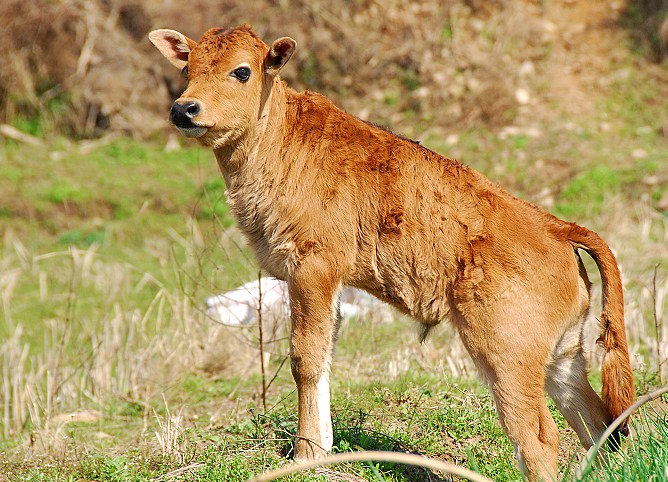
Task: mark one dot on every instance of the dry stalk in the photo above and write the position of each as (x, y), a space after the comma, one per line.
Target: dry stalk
(170, 436)
(285, 358)
(8, 281)
(175, 474)
(15, 382)
(372, 455)
(657, 325)
(259, 325)
(20, 136)
(88, 46)
(69, 317)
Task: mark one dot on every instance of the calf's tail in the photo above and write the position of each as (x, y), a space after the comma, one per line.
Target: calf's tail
(618, 392)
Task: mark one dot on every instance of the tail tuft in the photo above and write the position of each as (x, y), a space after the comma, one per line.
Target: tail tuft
(618, 392)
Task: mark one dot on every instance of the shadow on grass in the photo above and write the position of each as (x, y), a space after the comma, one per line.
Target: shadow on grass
(357, 437)
(350, 435)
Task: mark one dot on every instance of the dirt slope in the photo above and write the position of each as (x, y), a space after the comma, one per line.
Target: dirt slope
(86, 68)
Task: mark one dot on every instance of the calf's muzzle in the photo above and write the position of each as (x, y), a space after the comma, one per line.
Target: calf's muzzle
(182, 114)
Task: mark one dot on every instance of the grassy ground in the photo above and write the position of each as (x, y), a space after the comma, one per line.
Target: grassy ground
(108, 249)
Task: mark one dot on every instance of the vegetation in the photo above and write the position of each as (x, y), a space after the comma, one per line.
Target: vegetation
(109, 245)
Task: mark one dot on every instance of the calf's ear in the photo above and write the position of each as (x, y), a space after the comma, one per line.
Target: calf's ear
(279, 54)
(173, 45)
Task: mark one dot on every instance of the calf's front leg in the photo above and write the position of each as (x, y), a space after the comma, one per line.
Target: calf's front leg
(314, 295)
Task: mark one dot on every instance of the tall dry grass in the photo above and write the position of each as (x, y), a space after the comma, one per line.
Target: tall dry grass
(83, 356)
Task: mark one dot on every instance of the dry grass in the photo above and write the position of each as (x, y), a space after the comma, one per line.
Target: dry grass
(127, 353)
(71, 63)
(171, 435)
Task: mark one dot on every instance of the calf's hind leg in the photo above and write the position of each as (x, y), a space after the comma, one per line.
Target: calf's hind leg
(315, 320)
(525, 417)
(566, 373)
(514, 367)
(569, 387)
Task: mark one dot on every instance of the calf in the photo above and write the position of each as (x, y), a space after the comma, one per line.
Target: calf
(327, 200)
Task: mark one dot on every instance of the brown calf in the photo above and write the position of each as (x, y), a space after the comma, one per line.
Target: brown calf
(328, 200)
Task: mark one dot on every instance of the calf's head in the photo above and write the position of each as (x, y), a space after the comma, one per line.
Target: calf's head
(230, 73)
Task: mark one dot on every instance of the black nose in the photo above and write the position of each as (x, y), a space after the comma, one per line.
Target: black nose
(182, 113)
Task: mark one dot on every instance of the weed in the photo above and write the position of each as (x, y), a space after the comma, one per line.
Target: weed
(212, 202)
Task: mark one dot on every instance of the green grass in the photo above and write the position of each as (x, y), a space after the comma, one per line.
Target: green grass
(644, 459)
(433, 418)
(121, 180)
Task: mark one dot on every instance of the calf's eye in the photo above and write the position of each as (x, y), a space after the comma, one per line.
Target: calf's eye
(242, 74)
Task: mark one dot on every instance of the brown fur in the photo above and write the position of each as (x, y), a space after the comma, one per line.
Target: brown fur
(327, 200)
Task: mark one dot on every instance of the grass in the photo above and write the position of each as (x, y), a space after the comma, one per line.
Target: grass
(646, 458)
(108, 248)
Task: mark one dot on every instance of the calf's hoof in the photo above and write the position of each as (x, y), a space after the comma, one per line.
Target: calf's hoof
(308, 450)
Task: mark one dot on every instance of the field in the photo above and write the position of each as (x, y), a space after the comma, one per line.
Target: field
(112, 370)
